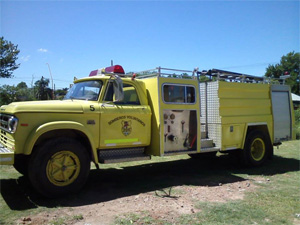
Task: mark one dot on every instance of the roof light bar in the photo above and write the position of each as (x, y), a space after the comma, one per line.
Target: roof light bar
(111, 69)
(115, 69)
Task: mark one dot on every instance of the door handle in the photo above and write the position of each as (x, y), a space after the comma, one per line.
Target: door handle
(107, 105)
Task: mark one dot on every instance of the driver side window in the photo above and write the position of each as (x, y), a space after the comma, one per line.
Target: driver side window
(130, 95)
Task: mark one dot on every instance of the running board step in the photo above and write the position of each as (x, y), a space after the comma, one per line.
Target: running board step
(122, 155)
(209, 149)
(207, 143)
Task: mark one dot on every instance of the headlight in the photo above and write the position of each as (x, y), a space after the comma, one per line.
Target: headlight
(12, 124)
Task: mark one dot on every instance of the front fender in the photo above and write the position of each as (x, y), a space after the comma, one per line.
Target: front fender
(58, 125)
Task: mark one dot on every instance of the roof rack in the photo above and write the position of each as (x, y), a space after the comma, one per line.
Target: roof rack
(167, 72)
(231, 76)
(216, 74)
(213, 74)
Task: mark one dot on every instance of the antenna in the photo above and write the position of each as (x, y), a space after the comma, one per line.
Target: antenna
(51, 81)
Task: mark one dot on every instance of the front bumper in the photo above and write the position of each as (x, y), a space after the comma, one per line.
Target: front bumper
(7, 157)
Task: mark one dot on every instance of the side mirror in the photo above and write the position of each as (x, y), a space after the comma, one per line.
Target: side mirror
(118, 89)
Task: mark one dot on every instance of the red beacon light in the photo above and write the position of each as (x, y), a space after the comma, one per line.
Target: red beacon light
(115, 69)
(111, 69)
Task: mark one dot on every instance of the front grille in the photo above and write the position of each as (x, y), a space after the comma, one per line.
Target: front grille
(6, 139)
(4, 121)
(3, 149)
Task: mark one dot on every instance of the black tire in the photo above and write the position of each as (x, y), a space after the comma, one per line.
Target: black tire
(21, 164)
(59, 167)
(203, 156)
(257, 149)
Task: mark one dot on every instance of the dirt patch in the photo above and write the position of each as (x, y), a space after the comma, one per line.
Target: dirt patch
(166, 204)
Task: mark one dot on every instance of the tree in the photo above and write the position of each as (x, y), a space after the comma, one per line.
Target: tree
(60, 93)
(9, 55)
(42, 92)
(22, 85)
(23, 93)
(7, 94)
(288, 64)
(17, 93)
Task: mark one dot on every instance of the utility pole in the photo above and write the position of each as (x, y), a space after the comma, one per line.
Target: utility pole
(51, 80)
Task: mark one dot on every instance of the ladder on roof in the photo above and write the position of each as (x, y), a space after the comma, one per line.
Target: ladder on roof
(232, 76)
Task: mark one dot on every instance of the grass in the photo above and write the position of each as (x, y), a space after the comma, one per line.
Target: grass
(66, 220)
(273, 202)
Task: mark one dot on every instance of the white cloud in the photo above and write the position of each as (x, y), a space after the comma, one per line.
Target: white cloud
(42, 50)
(25, 58)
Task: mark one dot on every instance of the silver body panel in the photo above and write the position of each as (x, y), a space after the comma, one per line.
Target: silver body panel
(282, 115)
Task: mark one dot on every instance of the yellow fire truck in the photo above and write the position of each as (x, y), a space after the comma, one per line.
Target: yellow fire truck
(111, 117)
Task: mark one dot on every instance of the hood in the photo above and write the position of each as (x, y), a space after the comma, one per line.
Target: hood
(55, 106)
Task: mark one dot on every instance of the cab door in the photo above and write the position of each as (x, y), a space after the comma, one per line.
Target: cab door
(126, 123)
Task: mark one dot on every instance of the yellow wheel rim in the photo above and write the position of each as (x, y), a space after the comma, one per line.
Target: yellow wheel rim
(63, 168)
(258, 149)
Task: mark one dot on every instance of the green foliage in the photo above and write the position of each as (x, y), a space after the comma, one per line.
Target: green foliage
(9, 55)
(297, 123)
(204, 79)
(66, 220)
(22, 85)
(186, 76)
(7, 94)
(78, 217)
(297, 115)
(42, 92)
(133, 218)
(289, 63)
(10, 94)
(21, 92)
(60, 93)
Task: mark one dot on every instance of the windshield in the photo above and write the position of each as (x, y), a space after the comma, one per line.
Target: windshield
(86, 90)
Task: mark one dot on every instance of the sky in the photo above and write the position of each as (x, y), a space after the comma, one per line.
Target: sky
(76, 37)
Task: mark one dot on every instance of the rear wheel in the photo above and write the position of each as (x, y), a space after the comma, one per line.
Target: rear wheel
(59, 167)
(257, 149)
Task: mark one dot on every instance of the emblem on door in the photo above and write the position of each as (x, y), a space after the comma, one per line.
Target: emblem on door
(126, 127)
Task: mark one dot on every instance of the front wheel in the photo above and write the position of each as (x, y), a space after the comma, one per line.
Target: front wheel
(257, 149)
(59, 167)
(21, 164)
